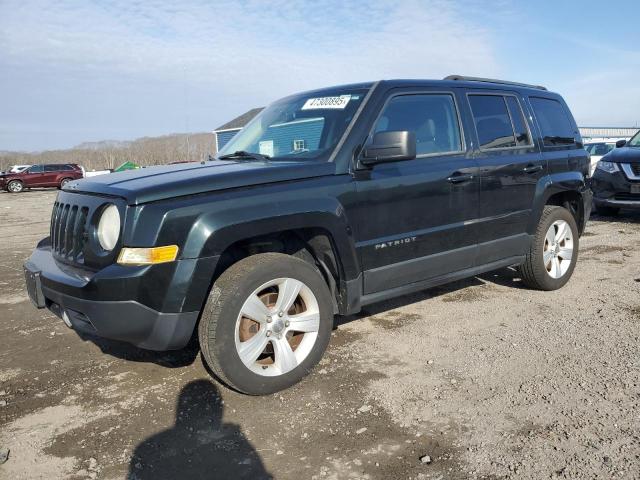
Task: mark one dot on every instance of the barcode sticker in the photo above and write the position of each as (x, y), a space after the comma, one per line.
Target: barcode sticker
(338, 103)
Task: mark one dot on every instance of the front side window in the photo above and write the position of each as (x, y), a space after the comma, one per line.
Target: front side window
(307, 126)
(499, 121)
(432, 117)
(635, 141)
(36, 169)
(557, 128)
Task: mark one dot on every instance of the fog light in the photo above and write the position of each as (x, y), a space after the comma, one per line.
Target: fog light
(148, 256)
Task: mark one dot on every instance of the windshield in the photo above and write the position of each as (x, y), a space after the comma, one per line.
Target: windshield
(306, 126)
(635, 141)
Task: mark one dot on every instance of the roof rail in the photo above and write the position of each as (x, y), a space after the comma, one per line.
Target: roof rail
(491, 80)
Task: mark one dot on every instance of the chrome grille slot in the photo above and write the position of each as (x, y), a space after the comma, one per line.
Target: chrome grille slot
(628, 197)
(68, 231)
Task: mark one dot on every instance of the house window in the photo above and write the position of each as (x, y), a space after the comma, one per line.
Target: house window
(298, 145)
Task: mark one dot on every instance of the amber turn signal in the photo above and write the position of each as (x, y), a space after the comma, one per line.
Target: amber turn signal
(147, 256)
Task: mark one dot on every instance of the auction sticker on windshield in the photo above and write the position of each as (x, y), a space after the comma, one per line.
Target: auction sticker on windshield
(338, 103)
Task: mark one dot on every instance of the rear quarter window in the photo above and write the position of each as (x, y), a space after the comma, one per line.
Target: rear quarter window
(557, 128)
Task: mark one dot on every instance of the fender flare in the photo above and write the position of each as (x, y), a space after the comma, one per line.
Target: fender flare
(553, 184)
(214, 232)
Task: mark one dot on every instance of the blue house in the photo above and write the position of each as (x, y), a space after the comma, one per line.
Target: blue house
(296, 135)
(225, 132)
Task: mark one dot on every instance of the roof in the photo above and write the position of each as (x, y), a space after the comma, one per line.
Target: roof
(450, 81)
(239, 122)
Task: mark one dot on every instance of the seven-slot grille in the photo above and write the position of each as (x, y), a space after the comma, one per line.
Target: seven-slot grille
(68, 231)
(635, 168)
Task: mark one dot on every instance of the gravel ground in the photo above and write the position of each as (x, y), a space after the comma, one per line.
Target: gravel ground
(478, 379)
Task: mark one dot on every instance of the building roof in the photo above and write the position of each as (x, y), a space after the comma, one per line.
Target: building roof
(608, 131)
(239, 122)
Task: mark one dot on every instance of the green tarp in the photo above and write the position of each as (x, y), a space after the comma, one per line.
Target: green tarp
(127, 166)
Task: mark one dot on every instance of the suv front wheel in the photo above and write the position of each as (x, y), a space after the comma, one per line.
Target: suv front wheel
(15, 186)
(554, 251)
(266, 323)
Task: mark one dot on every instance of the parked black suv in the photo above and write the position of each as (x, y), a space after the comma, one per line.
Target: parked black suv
(616, 181)
(327, 201)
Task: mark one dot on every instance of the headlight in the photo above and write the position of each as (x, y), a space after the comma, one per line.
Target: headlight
(609, 167)
(109, 227)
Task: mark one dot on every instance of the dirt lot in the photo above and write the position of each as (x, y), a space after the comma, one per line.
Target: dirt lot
(488, 379)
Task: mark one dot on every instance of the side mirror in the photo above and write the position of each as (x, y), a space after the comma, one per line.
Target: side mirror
(390, 147)
(621, 143)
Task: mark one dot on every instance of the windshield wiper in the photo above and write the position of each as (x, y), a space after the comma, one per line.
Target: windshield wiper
(244, 154)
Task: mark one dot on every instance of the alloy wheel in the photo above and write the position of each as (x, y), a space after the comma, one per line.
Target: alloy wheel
(558, 249)
(277, 327)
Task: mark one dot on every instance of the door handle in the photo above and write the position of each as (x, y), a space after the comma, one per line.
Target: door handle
(459, 178)
(532, 168)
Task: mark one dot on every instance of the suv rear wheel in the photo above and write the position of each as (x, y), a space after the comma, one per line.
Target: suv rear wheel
(554, 251)
(266, 323)
(15, 186)
(64, 181)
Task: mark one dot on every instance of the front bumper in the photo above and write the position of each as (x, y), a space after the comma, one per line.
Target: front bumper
(114, 302)
(615, 190)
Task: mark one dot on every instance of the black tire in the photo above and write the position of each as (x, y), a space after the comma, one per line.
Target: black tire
(217, 328)
(533, 271)
(607, 211)
(63, 182)
(15, 186)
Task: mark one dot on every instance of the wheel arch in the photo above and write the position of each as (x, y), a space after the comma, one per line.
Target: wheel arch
(321, 237)
(568, 190)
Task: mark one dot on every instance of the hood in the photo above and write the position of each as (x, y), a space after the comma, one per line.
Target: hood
(167, 181)
(623, 155)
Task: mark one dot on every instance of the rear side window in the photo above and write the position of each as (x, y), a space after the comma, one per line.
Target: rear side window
(519, 123)
(51, 168)
(557, 128)
(499, 121)
(432, 117)
(66, 167)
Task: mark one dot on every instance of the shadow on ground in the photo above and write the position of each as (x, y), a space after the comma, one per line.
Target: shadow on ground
(626, 216)
(200, 445)
(170, 359)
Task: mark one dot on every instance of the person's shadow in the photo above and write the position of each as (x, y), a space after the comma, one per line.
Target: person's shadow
(199, 445)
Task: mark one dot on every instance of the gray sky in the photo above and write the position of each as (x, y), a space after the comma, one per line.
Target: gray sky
(75, 71)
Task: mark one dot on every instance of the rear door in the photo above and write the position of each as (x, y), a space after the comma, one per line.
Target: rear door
(50, 177)
(415, 218)
(510, 169)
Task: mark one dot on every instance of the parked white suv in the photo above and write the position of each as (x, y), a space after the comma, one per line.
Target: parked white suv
(597, 150)
(17, 168)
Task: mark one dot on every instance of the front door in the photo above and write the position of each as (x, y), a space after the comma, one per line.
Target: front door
(510, 168)
(34, 176)
(415, 218)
